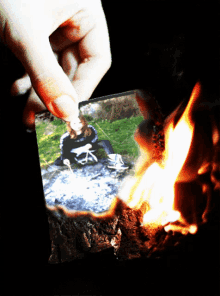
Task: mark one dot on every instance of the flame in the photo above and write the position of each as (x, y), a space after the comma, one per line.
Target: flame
(154, 187)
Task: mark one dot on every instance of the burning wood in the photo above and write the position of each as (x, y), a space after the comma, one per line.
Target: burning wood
(154, 208)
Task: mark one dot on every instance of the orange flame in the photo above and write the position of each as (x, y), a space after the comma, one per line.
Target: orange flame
(155, 186)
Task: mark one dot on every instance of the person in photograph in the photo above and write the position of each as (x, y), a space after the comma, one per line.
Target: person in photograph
(80, 141)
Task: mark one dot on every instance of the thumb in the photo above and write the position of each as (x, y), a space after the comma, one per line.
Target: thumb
(49, 80)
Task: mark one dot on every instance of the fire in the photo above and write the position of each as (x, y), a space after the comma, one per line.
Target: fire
(153, 189)
(186, 159)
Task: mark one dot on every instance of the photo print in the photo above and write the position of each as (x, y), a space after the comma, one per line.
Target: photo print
(84, 164)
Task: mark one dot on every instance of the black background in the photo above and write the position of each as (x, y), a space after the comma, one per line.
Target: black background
(151, 42)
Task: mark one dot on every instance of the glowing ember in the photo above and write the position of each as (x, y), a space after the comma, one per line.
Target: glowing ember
(153, 189)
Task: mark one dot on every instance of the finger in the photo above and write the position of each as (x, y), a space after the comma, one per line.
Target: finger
(21, 86)
(48, 79)
(34, 106)
(69, 61)
(95, 55)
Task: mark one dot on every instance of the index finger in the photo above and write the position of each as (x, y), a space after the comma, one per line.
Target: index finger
(49, 80)
(94, 51)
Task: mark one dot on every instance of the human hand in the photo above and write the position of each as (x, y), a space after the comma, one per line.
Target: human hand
(66, 162)
(76, 31)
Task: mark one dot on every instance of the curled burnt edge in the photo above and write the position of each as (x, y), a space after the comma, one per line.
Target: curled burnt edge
(73, 237)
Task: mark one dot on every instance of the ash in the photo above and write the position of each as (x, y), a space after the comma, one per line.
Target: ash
(88, 188)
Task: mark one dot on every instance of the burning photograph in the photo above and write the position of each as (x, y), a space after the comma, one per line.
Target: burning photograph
(122, 174)
(84, 162)
(137, 173)
(110, 147)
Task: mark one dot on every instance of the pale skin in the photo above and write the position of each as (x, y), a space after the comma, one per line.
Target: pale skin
(64, 48)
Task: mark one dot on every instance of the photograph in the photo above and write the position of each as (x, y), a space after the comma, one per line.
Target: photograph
(83, 163)
(110, 147)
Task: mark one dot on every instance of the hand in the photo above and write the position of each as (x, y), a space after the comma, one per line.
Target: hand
(66, 162)
(39, 33)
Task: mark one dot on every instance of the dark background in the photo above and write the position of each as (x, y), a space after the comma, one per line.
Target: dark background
(152, 43)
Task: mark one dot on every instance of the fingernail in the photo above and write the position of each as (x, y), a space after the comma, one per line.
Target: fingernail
(65, 107)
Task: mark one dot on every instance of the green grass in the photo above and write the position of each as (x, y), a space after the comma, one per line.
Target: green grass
(119, 132)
